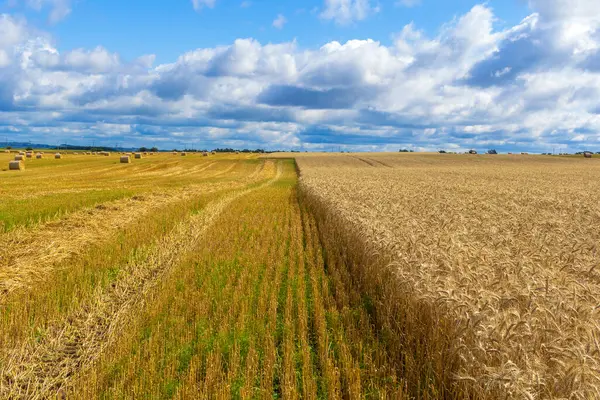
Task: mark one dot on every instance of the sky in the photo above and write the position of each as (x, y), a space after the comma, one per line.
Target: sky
(352, 75)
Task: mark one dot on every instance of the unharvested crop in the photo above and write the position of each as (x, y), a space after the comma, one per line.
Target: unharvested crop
(483, 272)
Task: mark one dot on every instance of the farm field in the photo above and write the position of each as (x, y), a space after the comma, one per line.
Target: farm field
(483, 270)
(329, 276)
(203, 278)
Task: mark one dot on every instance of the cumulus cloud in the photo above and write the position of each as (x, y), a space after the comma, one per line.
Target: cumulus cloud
(529, 87)
(347, 11)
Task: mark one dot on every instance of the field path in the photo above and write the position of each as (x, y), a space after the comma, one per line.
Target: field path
(42, 367)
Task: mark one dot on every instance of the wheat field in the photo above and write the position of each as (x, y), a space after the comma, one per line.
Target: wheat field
(315, 276)
(483, 269)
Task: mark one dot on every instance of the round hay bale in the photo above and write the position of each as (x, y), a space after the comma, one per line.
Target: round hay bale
(587, 154)
(21, 153)
(19, 157)
(138, 155)
(16, 165)
(58, 156)
(29, 154)
(125, 160)
(39, 155)
(204, 154)
(183, 153)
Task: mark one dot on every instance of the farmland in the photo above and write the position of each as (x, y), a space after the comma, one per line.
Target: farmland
(327, 276)
(483, 269)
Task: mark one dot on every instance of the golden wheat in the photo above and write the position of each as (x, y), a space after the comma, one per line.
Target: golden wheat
(494, 260)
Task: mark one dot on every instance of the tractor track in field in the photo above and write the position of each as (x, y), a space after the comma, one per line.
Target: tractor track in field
(45, 367)
(28, 255)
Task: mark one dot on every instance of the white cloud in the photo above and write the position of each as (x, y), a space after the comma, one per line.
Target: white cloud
(471, 85)
(279, 22)
(246, 4)
(347, 11)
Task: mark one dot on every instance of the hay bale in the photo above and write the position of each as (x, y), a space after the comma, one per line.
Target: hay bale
(21, 153)
(19, 157)
(205, 154)
(587, 154)
(16, 165)
(145, 153)
(237, 152)
(138, 155)
(58, 156)
(125, 160)
(213, 152)
(183, 153)
(39, 155)
(29, 154)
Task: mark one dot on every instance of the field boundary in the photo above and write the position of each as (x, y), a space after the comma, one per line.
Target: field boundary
(424, 345)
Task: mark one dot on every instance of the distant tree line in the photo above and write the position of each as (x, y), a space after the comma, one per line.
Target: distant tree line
(151, 149)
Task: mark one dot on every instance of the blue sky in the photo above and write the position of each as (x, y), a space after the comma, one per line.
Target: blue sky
(136, 27)
(319, 74)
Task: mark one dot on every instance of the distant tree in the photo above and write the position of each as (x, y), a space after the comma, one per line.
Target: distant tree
(492, 151)
(404, 151)
(442, 151)
(143, 149)
(29, 148)
(154, 149)
(8, 147)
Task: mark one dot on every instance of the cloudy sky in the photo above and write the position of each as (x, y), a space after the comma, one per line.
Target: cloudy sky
(514, 75)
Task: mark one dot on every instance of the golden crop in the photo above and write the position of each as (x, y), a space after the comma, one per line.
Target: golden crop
(484, 270)
(370, 276)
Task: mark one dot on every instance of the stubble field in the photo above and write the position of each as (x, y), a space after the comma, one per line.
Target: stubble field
(334, 276)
